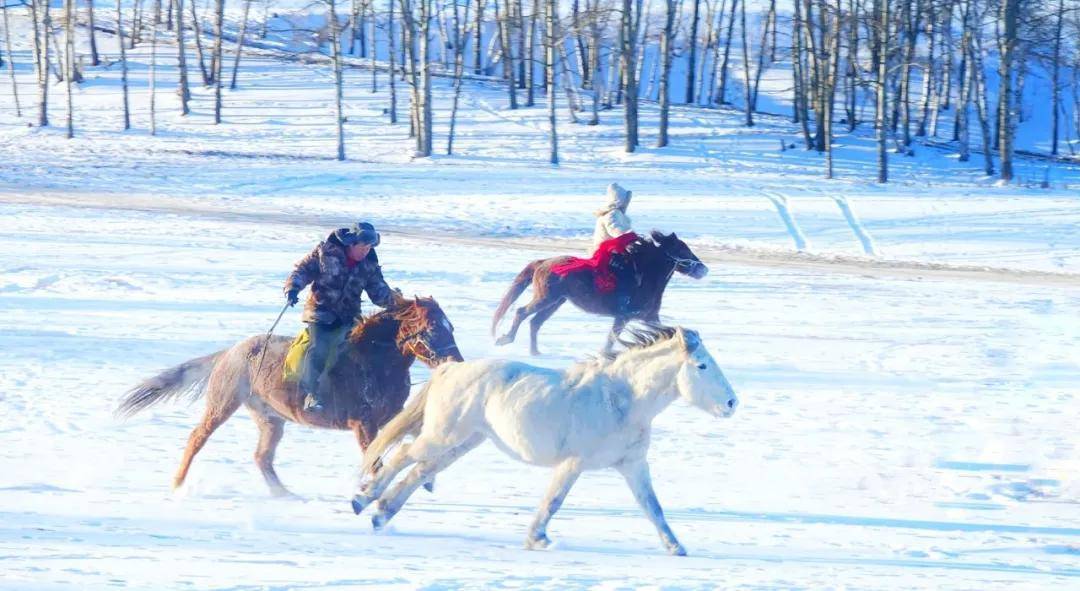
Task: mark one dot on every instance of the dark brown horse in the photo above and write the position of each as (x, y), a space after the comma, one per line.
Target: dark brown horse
(656, 259)
(365, 388)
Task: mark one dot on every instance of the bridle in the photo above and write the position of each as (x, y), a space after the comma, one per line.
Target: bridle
(417, 336)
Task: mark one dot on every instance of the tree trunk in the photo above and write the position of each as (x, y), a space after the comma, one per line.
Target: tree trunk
(721, 92)
(1009, 15)
(196, 30)
(692, 41)
(503, 21)
(181, 60)
(665, 70)
(11, 64)
(95, 59)
(240, 44)
(748, 101)
(881, 53)
(628, 40)
(39, 15)
(461, 33)
(478, 57)
(219, 26)
(393, 70)
(549, 66)
(153, 66)
(335, 53)
(69, 62)
(527, 58)
(1055, 83)
(982, 106)
(123, 63)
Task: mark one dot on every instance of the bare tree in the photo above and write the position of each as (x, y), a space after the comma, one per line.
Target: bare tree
(665, 69)
(196, 30)
(69, 62)
(240, 43)
(881, 65)
(1009, 16)
(153, 66)
(11, 64)
(123, 63)
(692, 42)
(628, 52)
(393, 70)
(721, 88)
(503, 18)
(39, 17)
(219, 29)
(747, 100)
(335, 53)
(478, 42)
(182, 90)
(549, 66)
(95, 60)
(459, 34)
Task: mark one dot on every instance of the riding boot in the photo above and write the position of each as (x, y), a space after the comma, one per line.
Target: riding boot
(321, 337)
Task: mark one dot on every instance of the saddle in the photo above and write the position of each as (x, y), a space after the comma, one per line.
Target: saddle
(293, 367)
(599, 264)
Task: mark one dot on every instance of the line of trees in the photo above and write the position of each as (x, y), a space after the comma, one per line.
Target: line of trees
(898, 67)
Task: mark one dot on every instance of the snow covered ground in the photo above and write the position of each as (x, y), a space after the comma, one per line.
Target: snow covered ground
(896, 430)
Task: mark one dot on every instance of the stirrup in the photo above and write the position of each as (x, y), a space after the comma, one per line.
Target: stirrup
(311, 403)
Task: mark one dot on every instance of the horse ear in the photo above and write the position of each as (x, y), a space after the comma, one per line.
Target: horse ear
(657, 236)
(397, 300)
(691, 339)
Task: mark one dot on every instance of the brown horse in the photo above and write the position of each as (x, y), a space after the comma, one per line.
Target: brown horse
(365, 388)
(656, 259)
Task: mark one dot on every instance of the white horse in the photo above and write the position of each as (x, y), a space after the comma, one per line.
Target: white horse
(596, 414)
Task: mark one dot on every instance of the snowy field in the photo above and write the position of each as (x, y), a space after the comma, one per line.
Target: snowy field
(907, 420)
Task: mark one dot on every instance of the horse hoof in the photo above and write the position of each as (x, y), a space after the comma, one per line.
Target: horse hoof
(677, 550)
(359, 503)
(537, 543)
(429, 486)
(503, 340)
(379, 520)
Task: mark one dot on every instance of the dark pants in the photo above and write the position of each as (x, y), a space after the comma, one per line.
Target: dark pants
(321, 337)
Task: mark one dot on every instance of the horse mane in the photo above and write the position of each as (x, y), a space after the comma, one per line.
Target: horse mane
(644, 335)
(405, 311)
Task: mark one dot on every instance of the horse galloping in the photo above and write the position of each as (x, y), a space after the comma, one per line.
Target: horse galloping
(593, 415)
(363, 390)
(656, 260)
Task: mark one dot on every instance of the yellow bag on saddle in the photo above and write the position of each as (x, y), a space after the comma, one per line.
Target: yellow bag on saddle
(294, 359)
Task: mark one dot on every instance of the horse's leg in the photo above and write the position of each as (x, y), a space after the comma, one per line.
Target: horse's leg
(538, 321)
(392, 465)
(616, 328)
(566, 474)
(213, 418)
(540, 301)
(226, 390)
(271, 428)
(425, 469)
(637, 476)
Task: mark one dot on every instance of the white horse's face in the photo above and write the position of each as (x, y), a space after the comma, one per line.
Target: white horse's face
(701, 382)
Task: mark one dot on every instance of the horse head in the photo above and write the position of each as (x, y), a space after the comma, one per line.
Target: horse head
(425, 332)
(700, 381)
(686, 262)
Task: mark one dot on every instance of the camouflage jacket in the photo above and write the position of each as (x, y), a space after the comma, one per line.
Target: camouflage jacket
(335, 288)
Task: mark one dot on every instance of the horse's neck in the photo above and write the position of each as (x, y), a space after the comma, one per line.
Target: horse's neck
(378, 339)
(650, 373)
(658, 270)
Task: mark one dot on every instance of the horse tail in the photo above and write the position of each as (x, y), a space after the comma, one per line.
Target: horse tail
(516, 289)
(406, 422)
(189, 378)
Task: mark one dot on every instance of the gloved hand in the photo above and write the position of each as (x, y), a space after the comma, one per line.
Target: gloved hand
(292, 296)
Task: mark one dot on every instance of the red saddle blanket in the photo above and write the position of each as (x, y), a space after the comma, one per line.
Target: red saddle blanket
(599, 264)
